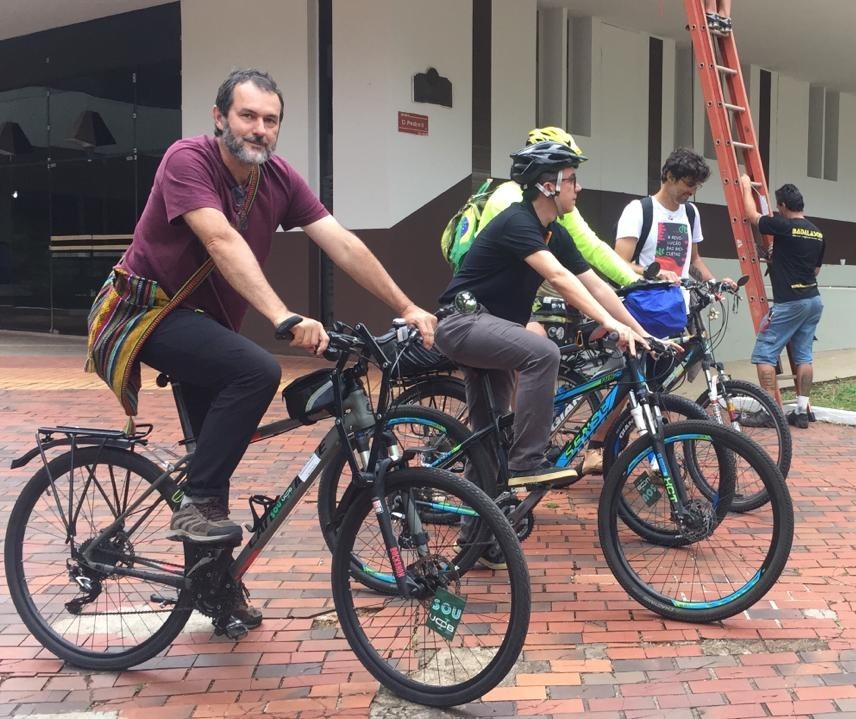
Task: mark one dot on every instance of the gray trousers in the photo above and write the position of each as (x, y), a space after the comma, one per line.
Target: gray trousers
(501, 347)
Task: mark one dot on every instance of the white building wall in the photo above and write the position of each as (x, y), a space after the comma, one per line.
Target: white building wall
(217, 36)
(382, 175)
(619, 142)
(513, 79)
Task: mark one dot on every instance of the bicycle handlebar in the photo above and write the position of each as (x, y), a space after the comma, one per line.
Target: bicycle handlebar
(713, 287)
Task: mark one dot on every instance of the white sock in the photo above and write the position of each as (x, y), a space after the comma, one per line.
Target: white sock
(185, 500)
(802, 404)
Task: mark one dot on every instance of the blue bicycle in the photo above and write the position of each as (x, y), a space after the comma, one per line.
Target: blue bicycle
(666, 518)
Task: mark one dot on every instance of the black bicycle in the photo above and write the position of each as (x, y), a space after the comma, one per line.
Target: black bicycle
(97, 582)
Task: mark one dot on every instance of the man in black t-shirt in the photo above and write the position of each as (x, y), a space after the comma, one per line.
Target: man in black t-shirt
(797, 255)
(521, 247)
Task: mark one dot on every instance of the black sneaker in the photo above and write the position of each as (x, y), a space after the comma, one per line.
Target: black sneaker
(491, 559)
(205, 521)
(759, 418)
(798, 419)
(712, 22)
(545, 473)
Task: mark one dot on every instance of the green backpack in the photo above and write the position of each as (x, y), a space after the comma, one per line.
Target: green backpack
(457, 238)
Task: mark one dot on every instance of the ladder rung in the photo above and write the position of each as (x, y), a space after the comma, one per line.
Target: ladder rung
(742, 145)
(755, 184)
(733, 108)
(726, 70)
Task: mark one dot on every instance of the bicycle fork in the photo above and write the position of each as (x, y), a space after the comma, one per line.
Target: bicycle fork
(649, 421)
(406, 586)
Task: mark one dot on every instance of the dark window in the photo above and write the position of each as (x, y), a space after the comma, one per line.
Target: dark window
(86, 112)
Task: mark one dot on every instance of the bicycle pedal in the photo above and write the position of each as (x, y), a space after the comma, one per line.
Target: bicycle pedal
(231, 627)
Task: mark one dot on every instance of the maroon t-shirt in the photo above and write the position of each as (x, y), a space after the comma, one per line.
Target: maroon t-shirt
(192, 175)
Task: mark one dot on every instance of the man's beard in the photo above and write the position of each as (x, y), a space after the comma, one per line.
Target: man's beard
(242, 151)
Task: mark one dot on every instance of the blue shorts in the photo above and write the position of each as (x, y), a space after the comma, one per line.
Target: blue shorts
(793, 322)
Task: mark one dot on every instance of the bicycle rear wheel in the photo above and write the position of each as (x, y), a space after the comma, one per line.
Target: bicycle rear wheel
(91, 617)
(428, 648)
(751, 402)
(445, 394)
(710, 563)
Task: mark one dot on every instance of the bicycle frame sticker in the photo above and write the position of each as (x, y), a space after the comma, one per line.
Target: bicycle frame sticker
(309, 467)
(445, 613)
(590, 427)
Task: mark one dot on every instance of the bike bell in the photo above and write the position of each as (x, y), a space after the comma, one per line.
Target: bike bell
(466, 303)
(399, 324)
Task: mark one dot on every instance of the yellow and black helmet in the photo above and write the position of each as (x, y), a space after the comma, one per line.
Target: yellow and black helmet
(555, 134)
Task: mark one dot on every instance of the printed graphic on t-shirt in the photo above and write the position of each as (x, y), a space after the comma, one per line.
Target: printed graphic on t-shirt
(673, 241)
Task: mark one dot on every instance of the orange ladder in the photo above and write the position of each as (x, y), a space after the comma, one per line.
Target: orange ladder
(727, 106)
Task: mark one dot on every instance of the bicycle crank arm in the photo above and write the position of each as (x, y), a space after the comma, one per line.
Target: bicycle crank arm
(527, 505)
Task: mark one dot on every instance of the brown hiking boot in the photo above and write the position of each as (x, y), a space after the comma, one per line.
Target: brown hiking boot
(206, 521)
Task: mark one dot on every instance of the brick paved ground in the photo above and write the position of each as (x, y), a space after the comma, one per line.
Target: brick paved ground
(591, 649)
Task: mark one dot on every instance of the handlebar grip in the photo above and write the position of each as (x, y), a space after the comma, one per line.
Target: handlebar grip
(331, 355)
(283, 329)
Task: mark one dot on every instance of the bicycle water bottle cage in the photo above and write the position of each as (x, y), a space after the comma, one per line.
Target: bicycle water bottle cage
(264, 503)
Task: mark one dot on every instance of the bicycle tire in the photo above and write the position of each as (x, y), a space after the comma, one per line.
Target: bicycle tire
(389, 635)
(445, 393)
(714, 568)
(334, 499)
(93, 638)
(780, 450)
(569, 417)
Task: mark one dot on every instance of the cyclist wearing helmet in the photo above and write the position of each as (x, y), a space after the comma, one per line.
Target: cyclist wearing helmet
(521, 247)
(594, 250)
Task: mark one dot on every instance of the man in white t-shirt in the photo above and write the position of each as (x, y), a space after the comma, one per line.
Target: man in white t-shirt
(674, 226)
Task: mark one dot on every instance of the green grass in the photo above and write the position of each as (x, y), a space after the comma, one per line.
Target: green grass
(837, 394)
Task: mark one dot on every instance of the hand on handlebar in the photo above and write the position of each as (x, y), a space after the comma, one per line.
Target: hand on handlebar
(425, 322)
(669, 276)
(665, 345)
(732, 285)
(309, 334)
(627, 338)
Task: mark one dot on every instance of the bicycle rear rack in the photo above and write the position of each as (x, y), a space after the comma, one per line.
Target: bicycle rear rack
(81, 436)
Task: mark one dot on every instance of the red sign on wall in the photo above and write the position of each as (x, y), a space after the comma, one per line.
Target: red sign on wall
(412, 123)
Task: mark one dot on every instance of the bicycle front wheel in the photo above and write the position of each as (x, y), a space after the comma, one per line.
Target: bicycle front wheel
(753, 411)
(706, 563)
(95, 618)
(433, 438)
(462, 627)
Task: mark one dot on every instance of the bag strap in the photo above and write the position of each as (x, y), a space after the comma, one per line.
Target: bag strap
(243, 215)
(647, 220)
(691, 213)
